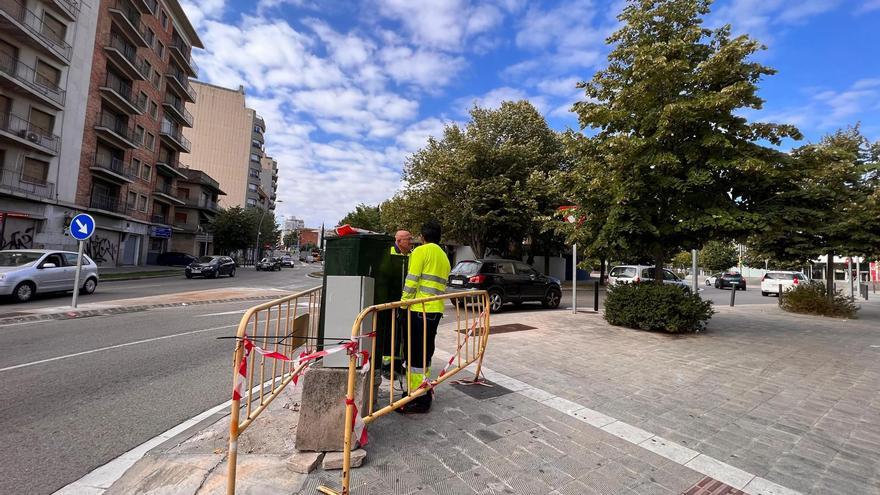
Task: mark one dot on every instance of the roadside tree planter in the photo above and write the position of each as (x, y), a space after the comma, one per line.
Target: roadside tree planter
(813, 299)
(666, 308)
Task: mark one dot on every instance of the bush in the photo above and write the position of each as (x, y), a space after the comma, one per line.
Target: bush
(812, 299)
(656, 307)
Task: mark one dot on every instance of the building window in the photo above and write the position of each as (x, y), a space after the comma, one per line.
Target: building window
(157, 244)
(47, 75)
(179, 217)
(146, 172)
(164, 18)
(252, 187)
(151, 36)
(154, 110)
(183, 192)
(255, 157)
(142, 100)
(254, 173)
(142, 203)
(252, 202)
(160, 50)
(136, 167)
(35, 171)
(132, 200)
(258, 129)
(150, 141)
(148, 67)
(42, 121)
(156, 79)
(53, 28)
(256, 144)
(139, 135)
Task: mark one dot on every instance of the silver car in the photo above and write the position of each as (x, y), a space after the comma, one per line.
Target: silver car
(25, 272)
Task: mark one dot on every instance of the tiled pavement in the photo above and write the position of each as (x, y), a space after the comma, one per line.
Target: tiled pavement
(791, 399)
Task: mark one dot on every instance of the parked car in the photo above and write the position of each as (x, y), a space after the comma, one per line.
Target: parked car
(625, 274)
(710, 280)
(26, 272)
(506, 281)
(269, 264)
(730, 280)
(771, 281)
(172, 258)
(287, 261)
(211, 267)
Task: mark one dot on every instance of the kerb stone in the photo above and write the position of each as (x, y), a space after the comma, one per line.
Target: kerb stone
(322, 413)
(333, 460)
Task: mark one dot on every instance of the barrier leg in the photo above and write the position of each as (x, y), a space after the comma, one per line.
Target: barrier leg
(233, 427)
(732, 295)
(349, 418)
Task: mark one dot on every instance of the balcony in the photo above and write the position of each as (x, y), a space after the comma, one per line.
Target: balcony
(260, 122)
(174, 107)
(179, 83)
(182, 52)
(168, 166)
(109, 204)
(146, 6)
(119, 95)
(123, 55)
(17, 76)
(115, 131)
(13, 182)
(166, 193)
(67, 8)
(28, 27)
(173, 135)
(159, 218)
(204, 204)
(17, 130)
(112, 168)
(128, 20)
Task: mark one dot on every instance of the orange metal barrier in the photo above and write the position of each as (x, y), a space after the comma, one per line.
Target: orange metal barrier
(278, 328)
(471, 311)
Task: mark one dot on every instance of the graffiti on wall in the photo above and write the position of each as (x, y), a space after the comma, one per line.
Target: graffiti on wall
(18, 239)
(101, 249)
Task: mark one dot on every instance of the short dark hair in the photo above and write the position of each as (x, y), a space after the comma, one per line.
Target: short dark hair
(431, 231)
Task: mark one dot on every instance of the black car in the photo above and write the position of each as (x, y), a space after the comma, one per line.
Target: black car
(175, 259)
(507, 281)
(211, 267)
(729, 280)
(269, 264)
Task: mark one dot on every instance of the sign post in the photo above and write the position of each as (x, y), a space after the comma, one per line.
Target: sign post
(81, 228)
(694, 270)
(568, 212)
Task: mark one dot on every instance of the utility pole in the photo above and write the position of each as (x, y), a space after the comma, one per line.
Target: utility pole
(694, 269)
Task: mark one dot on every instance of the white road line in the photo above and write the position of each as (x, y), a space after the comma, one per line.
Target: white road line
(241, 312)
(101, 349)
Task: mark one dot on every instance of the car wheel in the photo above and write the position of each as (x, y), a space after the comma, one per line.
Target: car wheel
(232, 273)
(763, 293)
(495, 301)
(189, 275)
(89, 287)
(552, 299)
(24, 292)
(708, 283)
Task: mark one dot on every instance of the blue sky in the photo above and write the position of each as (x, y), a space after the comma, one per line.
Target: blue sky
(350, 88)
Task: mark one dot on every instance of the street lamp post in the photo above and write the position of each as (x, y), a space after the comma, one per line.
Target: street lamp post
(259, 231)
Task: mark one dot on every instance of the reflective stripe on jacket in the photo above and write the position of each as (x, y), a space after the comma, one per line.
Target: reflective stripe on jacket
(427, 276)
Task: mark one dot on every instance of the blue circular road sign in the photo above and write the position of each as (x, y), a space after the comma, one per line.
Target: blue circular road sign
(82, 227)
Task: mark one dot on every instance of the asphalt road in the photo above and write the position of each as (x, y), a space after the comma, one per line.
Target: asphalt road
(72, 401)
(287, 278)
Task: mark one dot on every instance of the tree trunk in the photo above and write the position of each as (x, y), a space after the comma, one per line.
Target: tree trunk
(602, 262)
(546, 260)
(659, 259)
(829, 277)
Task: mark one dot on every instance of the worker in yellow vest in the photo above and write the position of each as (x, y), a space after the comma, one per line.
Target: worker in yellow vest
(402, 243)
(402, 247)
(427, 275)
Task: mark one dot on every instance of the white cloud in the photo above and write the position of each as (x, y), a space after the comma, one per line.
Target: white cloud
(203, 10)
(441, 24)
(869, 5)
(430, 70)
(494, 98)
(826, 109)
(563, 86)
(762, 19)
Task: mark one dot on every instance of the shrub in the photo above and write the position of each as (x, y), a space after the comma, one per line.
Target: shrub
(812, 299)
(656, 307)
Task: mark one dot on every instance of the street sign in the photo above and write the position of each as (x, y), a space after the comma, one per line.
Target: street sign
(82, 227)
(160, 232)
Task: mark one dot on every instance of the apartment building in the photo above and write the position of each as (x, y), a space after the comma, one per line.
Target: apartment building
(227, 143)
(269, 181)
(200, 193)
(46, 50)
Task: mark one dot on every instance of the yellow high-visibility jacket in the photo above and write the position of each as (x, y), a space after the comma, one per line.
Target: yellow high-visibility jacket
(427, 276)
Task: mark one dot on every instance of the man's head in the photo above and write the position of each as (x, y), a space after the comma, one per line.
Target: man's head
(431, 232)
(403, 239)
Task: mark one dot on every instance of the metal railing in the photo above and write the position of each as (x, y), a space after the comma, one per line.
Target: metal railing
(177, 104)
(128, 51)
(176, 133)
(69, 6)
(134, 18)
(124, 90)
(284, 326)
(181, 79)
(113, 164)
(108, 203)
(16, 181)
(158, 218)
(22, 128)
(149, 4)
(117, 125)
(184, 52)
(34, 25)
(201, 203)
(166, 188)
(28, 76)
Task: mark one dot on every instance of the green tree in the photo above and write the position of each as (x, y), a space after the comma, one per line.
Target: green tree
(682, 261)
(718, 256)
(290, 239)
(364, 217)
(829, 204)
(673, 162)
(485, 182)
(232, 229)
(270, 233)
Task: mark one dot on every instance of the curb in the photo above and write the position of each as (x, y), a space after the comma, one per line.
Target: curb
(139, 277)
(74, 314)
(315, 275)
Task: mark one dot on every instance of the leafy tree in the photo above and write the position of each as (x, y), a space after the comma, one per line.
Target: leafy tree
(828, 205)
(485, 182)
(364, 217)
(718, 256)
(290, 239)
(682, 261)
(673, 163)
(270, 233)
(231, 230)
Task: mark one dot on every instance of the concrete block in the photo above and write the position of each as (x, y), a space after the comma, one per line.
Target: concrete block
(167, 474)
(305, 462)
(333, 460)
(322, 413)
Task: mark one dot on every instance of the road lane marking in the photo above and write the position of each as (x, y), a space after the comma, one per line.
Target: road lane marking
(108, 348)
(241, 312)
